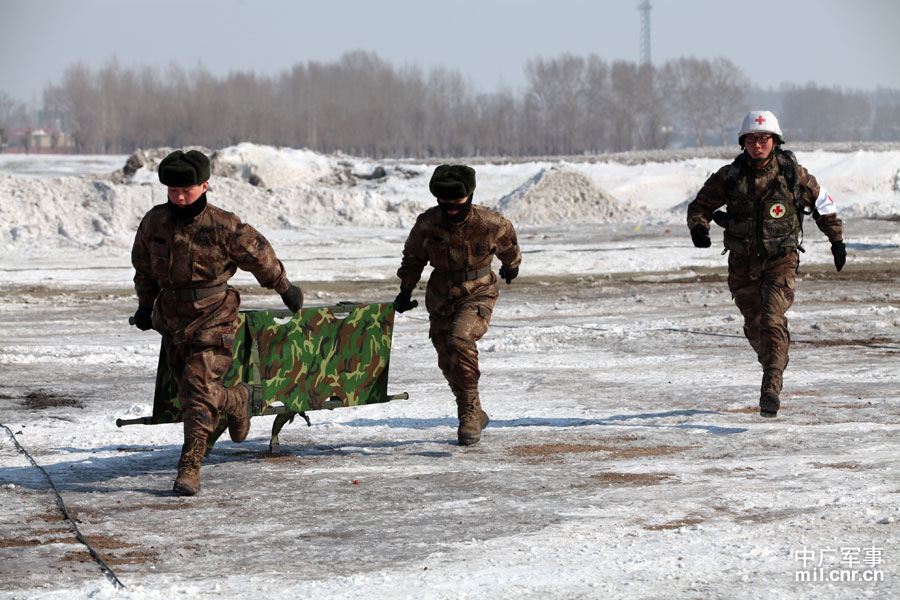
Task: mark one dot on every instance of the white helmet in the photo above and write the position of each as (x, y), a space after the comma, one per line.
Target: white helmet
(760, 121)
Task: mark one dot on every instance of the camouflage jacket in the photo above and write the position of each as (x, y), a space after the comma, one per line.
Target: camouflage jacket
(453, 247)
(757, 182)
(202, 252)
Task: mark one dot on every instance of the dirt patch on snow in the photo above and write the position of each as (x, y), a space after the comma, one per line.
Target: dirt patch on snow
(107, 547)
(40, 399)
(173, 506)
(554, 452)
(545, 450)
(676, 524)
(649, 451)
(20, 543)
(874, 341)
(78, 515)
(747, 410)
(105, 542)
(768, 516)
(134, 557)
(835, 466)
(640, 479)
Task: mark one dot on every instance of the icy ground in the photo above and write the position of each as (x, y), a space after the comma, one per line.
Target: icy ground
(625, 457)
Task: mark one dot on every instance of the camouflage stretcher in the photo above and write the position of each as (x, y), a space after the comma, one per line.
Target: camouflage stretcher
(319, 358)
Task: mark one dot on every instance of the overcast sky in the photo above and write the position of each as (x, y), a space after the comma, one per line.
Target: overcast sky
(852, 44)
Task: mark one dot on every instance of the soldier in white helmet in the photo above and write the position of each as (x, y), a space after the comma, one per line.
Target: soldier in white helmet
(766, 194)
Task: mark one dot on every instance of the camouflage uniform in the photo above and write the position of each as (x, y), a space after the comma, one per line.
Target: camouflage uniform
(763, 264)
(462, 289)
(177, 263)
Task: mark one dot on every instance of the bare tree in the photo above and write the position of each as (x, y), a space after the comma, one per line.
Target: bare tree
(596, 104)
(448, 107)
(82, 102)
(624, 92)
(727, 88)
(886, 118)
(11, 113)
(688, 79)
(497, 124)
(814, 113)
(556, 88)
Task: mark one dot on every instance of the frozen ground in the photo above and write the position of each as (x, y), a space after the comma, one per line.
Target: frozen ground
(625, 457)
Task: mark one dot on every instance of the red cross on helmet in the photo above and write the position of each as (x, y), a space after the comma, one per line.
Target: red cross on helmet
(760, 121)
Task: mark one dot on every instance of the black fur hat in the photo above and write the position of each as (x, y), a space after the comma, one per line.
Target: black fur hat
(184, 169)
(452, 182)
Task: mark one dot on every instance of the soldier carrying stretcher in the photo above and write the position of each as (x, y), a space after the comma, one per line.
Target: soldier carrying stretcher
(184, 253)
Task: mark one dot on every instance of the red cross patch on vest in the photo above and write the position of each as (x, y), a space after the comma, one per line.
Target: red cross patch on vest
(777, 211)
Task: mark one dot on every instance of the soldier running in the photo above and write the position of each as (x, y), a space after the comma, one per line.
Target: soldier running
(766, 193)
(458, 239)
(184, 253)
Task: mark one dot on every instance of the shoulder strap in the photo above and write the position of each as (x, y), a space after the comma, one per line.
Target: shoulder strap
(791, 170)
(734, 172)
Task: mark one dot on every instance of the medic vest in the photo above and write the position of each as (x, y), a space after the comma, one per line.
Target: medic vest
(771, 223)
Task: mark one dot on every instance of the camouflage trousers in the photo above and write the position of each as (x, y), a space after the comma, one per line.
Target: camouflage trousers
(198, 367)
(455, 338)
(763, 290)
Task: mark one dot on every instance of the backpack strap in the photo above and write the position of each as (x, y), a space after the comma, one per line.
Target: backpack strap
(791, 169)
(734, 172)
(789, 166)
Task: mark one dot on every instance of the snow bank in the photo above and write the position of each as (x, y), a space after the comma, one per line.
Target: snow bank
(80, 211)
(278, 188)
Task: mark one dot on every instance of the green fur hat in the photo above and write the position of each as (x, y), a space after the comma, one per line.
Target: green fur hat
(452, 182)
(184, 169)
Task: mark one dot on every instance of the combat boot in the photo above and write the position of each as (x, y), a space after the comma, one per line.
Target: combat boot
(769, 405)
(188, 481)
(769, 391)
(237, 411)
(472, 419)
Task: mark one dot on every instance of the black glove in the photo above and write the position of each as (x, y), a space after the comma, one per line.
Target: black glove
(839, 250)
(509, 273)
(700, 236)
(404, 302)
(143, 318)
(293, 298)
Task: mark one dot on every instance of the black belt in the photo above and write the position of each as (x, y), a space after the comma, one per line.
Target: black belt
(194, 294)
(460, 276)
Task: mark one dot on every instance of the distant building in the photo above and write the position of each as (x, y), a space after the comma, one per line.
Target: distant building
(37, 141)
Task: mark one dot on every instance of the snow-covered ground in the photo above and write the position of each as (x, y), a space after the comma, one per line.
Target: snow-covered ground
(625, 457)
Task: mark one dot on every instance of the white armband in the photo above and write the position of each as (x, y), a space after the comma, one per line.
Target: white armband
(824, 203)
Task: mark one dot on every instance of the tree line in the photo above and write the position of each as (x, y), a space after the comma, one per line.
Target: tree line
(364, 106)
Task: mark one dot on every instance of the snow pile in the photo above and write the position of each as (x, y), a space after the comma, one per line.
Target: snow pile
(272, 168)
(563, 195)
(885, 208)
(70, 210)
(312, 206)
